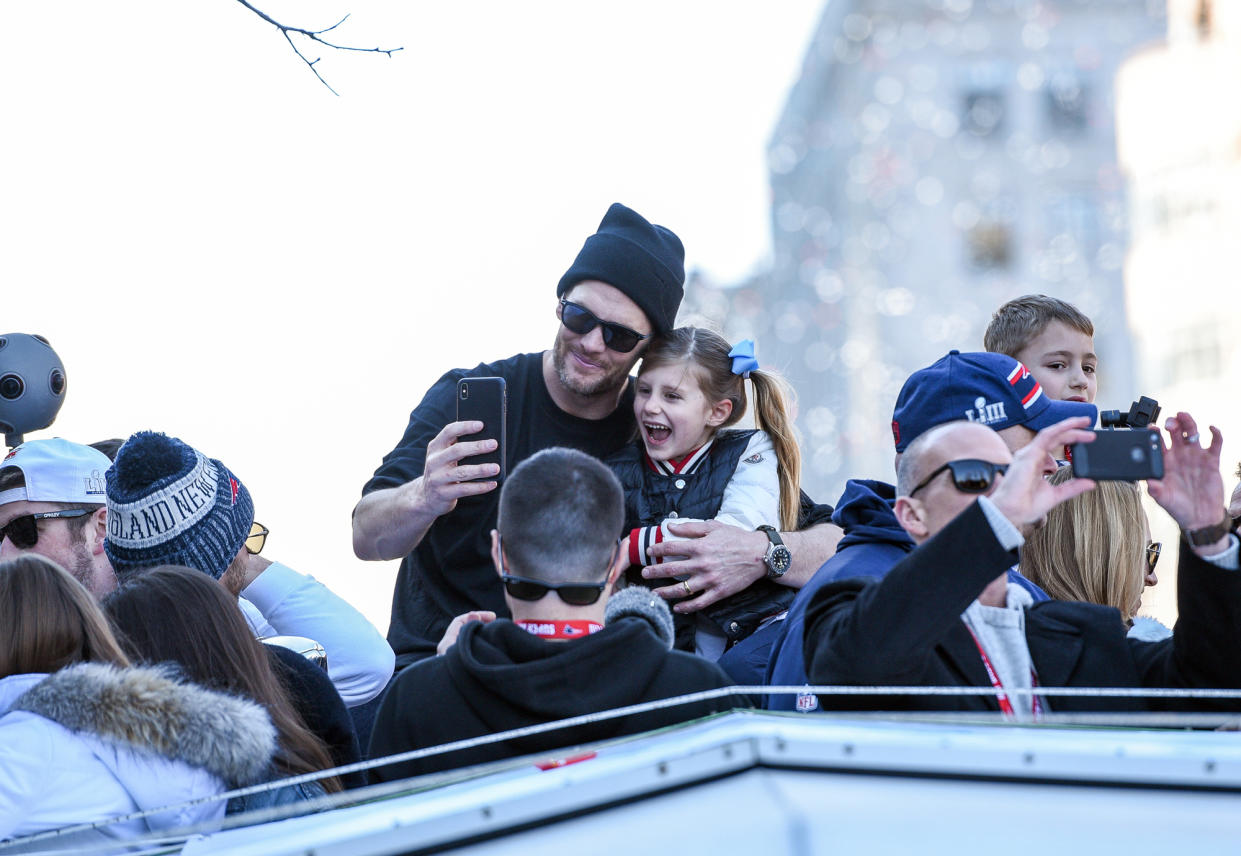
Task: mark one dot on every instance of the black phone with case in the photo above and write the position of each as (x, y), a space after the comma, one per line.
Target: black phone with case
(1120, 455)
(484, 399)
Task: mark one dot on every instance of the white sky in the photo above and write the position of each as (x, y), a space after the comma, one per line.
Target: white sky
(220, 249)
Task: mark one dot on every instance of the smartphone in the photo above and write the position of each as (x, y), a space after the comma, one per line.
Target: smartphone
(485, 400)
(1120, 455)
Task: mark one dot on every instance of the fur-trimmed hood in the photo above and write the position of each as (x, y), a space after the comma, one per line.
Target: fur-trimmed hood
(148, 711)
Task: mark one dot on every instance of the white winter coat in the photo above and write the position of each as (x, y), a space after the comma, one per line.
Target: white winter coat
(92, 742)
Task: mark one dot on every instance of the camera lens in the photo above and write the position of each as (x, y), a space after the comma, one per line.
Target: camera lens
(57, 381)
(11, 387)
(465, 391)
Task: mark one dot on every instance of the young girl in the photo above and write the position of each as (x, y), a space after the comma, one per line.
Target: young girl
(689, 465)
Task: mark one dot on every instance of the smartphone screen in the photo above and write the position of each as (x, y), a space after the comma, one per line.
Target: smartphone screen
(484, 399)
(1120, 455)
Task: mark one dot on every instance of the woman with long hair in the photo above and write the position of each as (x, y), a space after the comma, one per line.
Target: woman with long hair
(178, 615)
(86, 737)
(1096, 548)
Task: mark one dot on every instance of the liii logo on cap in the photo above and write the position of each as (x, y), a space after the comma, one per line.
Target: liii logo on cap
(94, 484)
(986, 412)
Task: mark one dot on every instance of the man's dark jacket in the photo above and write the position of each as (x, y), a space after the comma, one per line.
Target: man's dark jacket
(498, 677)
(873, 542)
(906, 630)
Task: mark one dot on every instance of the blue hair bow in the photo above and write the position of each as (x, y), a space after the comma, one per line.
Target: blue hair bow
(743, 358)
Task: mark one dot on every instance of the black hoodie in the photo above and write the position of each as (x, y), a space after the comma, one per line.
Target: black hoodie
(500, 677)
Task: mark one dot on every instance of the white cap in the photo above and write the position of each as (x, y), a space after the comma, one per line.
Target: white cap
(58, 471)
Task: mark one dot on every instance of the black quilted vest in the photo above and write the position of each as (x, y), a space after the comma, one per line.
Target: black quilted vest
(652, 497)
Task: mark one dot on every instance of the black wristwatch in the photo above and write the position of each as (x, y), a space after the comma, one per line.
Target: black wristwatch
(1208, 535)
(778, 558)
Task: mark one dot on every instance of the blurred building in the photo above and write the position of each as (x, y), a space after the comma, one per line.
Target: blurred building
(935, 159)
(1179, 133)
(1178, 126)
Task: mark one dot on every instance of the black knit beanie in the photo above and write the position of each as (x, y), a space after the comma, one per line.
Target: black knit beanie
(644, 261)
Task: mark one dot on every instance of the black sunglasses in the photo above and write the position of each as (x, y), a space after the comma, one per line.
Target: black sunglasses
(969, 475)
(575, 594)
(23, 532)
(1153, 549)
(581, 321)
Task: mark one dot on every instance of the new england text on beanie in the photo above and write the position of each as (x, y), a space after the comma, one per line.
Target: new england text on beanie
(168, 504)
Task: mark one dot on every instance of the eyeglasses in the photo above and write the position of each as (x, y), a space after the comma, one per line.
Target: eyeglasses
(23, 532)
(574, 594)
(581, 320)
(257, 538)
(968, 476)
(1153, 549)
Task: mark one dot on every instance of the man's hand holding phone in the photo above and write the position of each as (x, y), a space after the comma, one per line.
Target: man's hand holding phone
(445, 479)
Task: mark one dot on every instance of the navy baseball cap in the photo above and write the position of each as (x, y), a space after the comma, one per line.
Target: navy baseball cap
(995, 390)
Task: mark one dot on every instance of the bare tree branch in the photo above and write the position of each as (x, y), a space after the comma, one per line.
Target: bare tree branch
(314, 36)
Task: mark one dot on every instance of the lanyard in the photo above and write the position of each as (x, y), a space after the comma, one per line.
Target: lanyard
(561, 629)
(1001, 697)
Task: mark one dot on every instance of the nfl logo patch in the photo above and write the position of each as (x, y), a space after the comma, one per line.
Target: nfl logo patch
(807, 702)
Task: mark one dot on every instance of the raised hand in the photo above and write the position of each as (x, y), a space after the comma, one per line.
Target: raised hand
(1024, 496)
(1191, 490)
(449, 638)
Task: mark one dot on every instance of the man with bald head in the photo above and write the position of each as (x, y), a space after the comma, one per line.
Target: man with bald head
(927, 496)
(946, 614)
(983, 389)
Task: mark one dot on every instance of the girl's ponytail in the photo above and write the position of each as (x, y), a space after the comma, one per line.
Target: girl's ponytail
(773, 404)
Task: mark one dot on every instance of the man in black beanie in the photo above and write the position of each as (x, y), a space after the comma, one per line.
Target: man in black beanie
(423, 504)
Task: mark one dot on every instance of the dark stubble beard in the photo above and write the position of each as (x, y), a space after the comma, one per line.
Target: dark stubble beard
(606, 384)
(82, 568)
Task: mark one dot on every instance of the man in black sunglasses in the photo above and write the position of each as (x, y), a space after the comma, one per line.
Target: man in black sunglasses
(52, 497)
(992, 390)
(430, 506)
(947, 615)
(53, 501)
(555, 549)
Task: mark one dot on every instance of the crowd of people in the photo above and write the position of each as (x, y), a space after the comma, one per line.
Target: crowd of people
(641, 545)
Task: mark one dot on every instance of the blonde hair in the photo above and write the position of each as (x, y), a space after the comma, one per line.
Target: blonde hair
(773, 400)
(1091, 548)
(48, 620)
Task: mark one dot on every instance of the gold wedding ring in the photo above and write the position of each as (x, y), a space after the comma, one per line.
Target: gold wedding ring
(688, 591)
